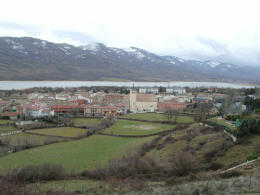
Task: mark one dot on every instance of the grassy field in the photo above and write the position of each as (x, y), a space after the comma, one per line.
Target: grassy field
(125, 127)
(17, 139)
(76, 155)
(86, 121)
(3, 122)
(158, 117)
(68, 185)
(61, 131)
(7, 129)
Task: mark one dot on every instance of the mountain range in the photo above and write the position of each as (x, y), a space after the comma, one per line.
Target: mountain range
(29, 58)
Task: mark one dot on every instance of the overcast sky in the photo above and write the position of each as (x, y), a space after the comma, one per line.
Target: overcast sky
(225, 30)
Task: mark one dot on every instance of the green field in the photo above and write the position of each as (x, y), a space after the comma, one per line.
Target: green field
(158, 117)
(7, 129)
(61, 131)
(18, 139)
(126, 127)
(67, 185)
(3, 122)
(76, 155)
(86, 121)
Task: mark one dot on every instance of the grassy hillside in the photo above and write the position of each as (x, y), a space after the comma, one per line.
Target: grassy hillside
(78, 155)
(157, 117)
(125, 127)
(62, 131)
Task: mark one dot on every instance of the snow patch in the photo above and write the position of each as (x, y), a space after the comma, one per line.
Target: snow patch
(92, 46)
(213, 64)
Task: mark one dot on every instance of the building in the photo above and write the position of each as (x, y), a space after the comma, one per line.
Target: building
(177, 90)
(11, 115)
(65, 109)
(99, 111)
(140, 102)
(149, 90)
(3, 104)
(171, 105)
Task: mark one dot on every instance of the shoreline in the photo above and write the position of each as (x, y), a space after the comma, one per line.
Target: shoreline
(9, 85)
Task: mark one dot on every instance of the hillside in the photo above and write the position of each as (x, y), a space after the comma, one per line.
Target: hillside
(34, 59)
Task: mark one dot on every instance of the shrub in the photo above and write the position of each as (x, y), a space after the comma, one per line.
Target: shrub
(215, 166)
(127, 167)
(33, 173)
(249, 126)
(252, 156)
(230, 174)
(232, 117)
(183, 164)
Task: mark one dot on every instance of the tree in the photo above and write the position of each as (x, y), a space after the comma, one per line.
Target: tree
(162, 89)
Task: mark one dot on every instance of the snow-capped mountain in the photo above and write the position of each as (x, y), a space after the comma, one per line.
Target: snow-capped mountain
(34, 59)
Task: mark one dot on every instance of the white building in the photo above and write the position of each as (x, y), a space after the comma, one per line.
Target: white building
(149, 90)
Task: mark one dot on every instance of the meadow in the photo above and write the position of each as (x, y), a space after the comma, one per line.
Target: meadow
(126, 127)
(86, 121)
(87, 153)
(158, 117)
(61, 131)
(4, 122)
(7, 128)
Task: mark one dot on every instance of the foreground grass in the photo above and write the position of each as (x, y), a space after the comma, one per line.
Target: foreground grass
(86, 121)
(175, 143)
(4, 122)
(238, 153)
(18, 139)
(7, 129)
(87, 153)
(61, 131)
(125, 127)
(158, 117)
(67, 185)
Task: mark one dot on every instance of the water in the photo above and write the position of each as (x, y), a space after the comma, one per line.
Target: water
(8, 85)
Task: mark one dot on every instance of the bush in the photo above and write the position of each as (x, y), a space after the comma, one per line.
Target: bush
(249, 126)
(127, 167)
(230, 174)
(183, 164)
(33, 173)
(257, 110)
(252, 156)
(233, 117)
(215, 166)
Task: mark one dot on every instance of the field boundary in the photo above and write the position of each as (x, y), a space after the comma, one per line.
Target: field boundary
(58, 136)
(140, 136)
(147, 121)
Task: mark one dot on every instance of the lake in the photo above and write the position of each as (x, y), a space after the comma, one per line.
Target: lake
(8, 85)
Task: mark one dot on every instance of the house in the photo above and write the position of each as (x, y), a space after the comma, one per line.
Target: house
(11, 115)
(121, 109)
(171, 105)
(141, 102)
(149, 90)
(236, 108)
(3, 104)
(177, 90)
(99, 111)
(65, 109)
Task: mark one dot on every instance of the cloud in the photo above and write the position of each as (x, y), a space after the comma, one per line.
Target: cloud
(201, 29)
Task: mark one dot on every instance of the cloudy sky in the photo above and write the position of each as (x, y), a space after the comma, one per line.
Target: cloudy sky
(225, 30)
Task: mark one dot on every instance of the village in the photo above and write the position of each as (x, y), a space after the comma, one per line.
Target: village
(91, 104)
